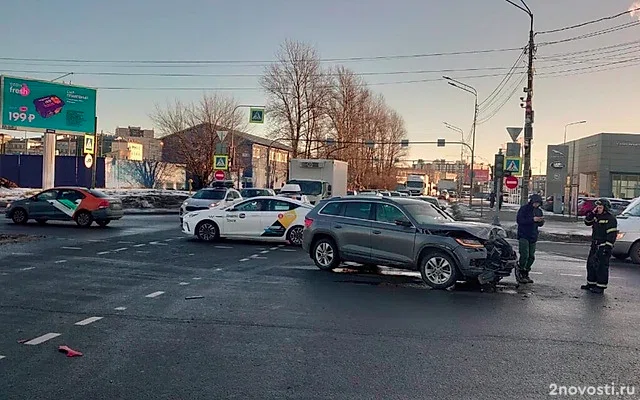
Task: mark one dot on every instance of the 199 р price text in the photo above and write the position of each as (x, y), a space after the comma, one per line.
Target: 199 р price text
(20, 116)
(585, 390)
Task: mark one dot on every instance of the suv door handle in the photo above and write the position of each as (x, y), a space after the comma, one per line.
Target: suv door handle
(376, 232)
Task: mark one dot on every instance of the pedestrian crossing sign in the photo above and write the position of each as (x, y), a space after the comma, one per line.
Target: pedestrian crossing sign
(256, 116)
(513, 165)
(221, 162)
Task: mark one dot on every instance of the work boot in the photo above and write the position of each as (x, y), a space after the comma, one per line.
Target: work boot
(521, 276)
(587, 287)
(527, 277)
(597, 290)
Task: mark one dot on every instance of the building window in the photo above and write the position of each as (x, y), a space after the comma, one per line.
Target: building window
(625, 186)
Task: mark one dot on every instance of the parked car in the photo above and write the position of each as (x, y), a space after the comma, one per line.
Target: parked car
(433, 200)
(403, 233)
(352, 193)
(207, 198)
(627, 243)
(587, 204)
(82, 205)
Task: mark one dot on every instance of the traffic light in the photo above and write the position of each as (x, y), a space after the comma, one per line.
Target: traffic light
(499, 166)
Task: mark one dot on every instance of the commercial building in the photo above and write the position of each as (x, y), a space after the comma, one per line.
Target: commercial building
(260, 162)
(151, 147)
(126, 150)
(605, 164)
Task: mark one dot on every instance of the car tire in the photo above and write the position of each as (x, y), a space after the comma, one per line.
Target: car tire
(294, 236)
(19, 216)
(325, 254)
(103, 222)
(207, 231)
(84, 219)
(634, 253)
(438, 270)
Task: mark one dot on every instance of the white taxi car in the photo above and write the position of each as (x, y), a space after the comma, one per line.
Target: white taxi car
(268, 218)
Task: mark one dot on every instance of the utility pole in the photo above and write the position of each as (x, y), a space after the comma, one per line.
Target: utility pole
(528, 108)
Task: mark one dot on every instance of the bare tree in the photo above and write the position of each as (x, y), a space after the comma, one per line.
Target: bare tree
(148, 173)
(189, 132)
(297, 88)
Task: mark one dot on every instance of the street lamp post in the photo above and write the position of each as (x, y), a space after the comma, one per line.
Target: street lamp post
(474, 92)
(461, 174)
(528, 112)
(569, 201)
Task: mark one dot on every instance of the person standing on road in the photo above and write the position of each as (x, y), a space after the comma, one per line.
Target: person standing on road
(604, 230)
(492, 199)
(529, 219)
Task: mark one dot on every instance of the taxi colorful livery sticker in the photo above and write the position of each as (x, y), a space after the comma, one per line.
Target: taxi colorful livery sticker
(66, 206)
(279, 227)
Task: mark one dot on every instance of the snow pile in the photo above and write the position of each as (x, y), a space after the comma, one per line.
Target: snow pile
(148, 198)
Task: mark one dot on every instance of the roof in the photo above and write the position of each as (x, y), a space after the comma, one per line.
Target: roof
(246, 136)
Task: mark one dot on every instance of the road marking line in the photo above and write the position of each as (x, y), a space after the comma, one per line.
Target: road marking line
(125, 242)
(579, 276)
(154, 294)
(1, 357)
(21, 254)
(536, 273)
(27, 268)
(244, 259)
(191, 254)
(218, 269)
(254, 256)
(264, 252)
(103, 253)
(259, 258)
(274, 248)
(197, 278)
(289, 250)
(60, 261)
(71, 248)
(158, 244)
(224, 247)
(140, 245)
(42, 339)
(143, 252)
(168, 240)
(120, 308)
(183, 283)
(88, 321)
(96, 240)
(121, 249)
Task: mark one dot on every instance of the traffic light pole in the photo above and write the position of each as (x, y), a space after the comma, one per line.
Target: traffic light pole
(498, 173)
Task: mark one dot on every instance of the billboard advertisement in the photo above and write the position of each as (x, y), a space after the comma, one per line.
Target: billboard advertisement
(41, 106)
(479, 175)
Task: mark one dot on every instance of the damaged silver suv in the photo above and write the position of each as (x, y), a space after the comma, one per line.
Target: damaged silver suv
(408, 234)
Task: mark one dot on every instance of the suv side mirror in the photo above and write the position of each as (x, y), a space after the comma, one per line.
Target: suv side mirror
(403, 222)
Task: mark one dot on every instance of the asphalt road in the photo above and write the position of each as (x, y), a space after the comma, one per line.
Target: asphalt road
(266, 324)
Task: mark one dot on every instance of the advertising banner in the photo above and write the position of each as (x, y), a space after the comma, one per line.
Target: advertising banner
(41, 106)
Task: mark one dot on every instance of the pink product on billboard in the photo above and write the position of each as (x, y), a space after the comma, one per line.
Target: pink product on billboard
(48, 106)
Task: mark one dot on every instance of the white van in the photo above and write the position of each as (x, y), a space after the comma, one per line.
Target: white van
(628, 241)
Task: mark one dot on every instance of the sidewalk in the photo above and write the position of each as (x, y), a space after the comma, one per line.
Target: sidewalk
(556, 228)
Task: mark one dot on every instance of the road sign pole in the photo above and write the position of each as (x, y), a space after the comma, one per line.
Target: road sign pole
(95, 153)
(498, 176)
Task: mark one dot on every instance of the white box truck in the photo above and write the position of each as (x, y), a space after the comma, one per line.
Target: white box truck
(416, 184)
(318, 178)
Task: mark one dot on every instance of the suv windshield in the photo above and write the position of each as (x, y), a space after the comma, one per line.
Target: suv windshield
(310, 188)
(208, 194)
(426, 213)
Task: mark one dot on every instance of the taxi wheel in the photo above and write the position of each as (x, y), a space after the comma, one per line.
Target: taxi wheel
(295, 235)
(19, 216)
(207, 231)
(84, 219)
(103, 222)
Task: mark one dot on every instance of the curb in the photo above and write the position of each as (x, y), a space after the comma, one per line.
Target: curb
(555, 237)
(143, 211)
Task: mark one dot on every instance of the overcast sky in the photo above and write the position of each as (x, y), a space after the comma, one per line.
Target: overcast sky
(253, 30)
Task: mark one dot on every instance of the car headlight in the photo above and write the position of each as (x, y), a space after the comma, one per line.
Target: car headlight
(473, 243)
(8, 205)
(213, 205)
(620, 235)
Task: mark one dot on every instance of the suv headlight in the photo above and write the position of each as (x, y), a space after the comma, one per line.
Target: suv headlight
(472, 243)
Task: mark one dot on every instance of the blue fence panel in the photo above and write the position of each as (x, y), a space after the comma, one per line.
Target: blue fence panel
(10, 167)
(26, 171)
(30, 171)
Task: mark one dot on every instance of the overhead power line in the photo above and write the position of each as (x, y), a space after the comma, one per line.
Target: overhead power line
(580, 25)
(204, 62)
(593, 34)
